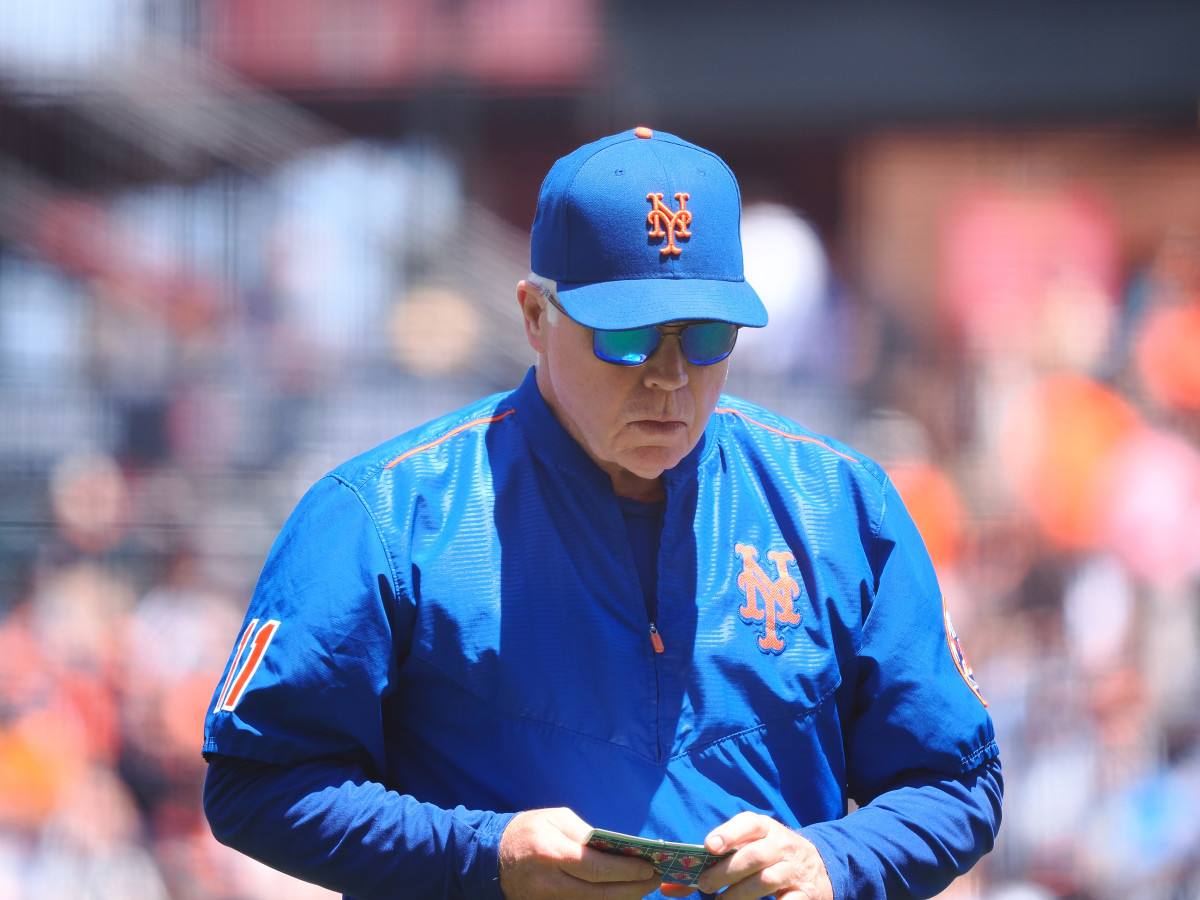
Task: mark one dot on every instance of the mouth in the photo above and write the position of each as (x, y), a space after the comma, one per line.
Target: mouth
(660, 426)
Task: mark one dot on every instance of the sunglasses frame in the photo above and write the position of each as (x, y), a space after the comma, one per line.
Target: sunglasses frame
(676, 330)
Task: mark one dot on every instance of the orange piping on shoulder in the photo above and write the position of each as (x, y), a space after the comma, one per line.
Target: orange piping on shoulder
(449, 434)
(784, 434)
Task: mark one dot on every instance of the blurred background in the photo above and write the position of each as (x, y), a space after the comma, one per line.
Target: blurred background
(242, 240)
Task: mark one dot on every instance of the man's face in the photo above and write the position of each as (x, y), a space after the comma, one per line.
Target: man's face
(635, 422)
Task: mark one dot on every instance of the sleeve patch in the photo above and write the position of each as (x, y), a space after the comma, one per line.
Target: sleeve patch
(257, 640)
(959, 657)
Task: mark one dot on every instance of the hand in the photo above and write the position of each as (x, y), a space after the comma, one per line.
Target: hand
(770, 859)
(543, 854)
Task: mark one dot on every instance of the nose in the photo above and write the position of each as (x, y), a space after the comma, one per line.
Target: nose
(667, 369)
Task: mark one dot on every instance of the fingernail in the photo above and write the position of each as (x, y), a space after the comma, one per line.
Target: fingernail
(717, 845)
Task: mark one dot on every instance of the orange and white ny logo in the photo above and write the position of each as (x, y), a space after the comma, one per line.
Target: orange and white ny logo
(676, 222)
(776, 596)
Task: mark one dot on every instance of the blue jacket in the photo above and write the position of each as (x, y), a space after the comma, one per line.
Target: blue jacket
(456, 616)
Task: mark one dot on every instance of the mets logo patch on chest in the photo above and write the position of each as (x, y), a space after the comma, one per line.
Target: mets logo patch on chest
(768, 604)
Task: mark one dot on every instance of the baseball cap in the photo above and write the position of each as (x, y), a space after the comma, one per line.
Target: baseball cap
(641, 228)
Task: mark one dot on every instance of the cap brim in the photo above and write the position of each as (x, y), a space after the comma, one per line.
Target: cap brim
(613, 305)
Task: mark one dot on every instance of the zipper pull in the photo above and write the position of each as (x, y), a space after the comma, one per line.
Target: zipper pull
(655, 638)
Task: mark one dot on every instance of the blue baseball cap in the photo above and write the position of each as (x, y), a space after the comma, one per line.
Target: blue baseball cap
(641, 228)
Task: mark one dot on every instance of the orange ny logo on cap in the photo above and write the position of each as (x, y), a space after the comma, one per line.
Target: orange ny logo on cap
(676, 221)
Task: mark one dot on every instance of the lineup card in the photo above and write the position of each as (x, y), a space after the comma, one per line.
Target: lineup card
(674, 863)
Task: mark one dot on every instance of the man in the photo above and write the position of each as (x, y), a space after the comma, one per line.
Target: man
(612, 598)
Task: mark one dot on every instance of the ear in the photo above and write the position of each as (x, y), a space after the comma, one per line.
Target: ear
(533, 311)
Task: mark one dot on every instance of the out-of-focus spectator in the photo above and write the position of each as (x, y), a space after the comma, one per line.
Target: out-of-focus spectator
(44, 737)
(1151, 497)
(936, 505)
(904, 448)
(1058, 445)
(786, 262)
(170, 643)
(91, 846)
(1167, 360)
(1032, 272)
(1158, 330)
(90, 501)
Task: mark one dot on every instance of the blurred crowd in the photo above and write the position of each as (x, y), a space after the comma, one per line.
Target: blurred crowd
(178, 363)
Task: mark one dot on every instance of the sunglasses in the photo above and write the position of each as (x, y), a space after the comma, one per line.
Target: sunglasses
(703, 343)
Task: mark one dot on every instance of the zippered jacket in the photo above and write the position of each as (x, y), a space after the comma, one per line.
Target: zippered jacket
(452, 623)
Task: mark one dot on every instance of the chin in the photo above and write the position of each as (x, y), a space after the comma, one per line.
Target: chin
(651, 462)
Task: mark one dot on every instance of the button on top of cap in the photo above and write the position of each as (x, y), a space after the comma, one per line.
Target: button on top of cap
(643, 132)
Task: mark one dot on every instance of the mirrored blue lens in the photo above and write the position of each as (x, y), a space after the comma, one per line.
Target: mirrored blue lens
(703, 343)
(708, 342)
(631, 347)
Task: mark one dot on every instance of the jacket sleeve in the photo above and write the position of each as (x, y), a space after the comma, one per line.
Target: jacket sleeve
(324, 822)
(325, 632)
(921, 756)
(914, 839)
(294, 734)
(911, 701)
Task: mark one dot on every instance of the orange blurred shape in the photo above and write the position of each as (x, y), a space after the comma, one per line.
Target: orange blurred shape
(183, 710)
(1168, 357)
(934, 503)
(1058, 445)
(40, 759)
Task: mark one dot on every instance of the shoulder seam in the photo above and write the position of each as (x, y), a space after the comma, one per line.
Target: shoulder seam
(383, 544)
(808, 439)
(883, 511)
(458, 429)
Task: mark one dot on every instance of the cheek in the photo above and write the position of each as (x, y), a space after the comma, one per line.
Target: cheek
(706, 389)
(597, 406)
(586, 390)
(707, 383)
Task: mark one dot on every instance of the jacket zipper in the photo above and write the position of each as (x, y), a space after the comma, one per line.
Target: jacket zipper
(656, 638)
(657, 643)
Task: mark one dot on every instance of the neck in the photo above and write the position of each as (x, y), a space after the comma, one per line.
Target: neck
(644, 490)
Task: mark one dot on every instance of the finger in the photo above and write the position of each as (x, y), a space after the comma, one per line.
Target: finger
(776, 881)
(595, 866)
(559, 885)
(741, 883)
(741, 829)
(758, 842)
(783, 864)
(567, 822)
